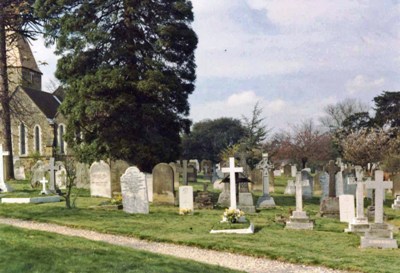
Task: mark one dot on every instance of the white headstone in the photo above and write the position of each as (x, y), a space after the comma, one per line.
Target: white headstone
(346, 207)
(290, 188)
(149, 182)
(134, 191)
(277, 172)
(186, 198)
(100, 179)
(339, 183)
(380, 186)
(232, 170)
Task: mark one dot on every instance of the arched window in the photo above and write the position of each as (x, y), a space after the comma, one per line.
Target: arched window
(61, 142)
(22, 139)
(37, 139)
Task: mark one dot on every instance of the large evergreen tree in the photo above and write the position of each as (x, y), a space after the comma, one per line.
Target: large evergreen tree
(128, 69)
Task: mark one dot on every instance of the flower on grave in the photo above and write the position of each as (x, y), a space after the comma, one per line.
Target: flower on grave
(117, 199)
(185, 211)
(232, 215)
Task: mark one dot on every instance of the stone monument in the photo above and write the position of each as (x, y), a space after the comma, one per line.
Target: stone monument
(163, 184)
(134, 191)
(265, 201)
(100, 179)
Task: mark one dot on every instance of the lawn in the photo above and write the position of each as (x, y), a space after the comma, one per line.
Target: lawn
(326, 245)
(33, 251)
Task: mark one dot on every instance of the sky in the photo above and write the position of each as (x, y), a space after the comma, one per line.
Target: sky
(293, 57)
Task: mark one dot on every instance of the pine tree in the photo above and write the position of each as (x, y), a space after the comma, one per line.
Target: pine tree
(128, 69)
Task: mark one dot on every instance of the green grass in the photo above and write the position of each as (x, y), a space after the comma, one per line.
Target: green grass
(33, 251)
(326, 245)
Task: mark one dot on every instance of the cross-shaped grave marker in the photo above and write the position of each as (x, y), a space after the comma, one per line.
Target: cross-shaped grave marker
(52, 168)
(299, 191)
(44, 190)
(380, 186)
(232, 170)
(332, 169)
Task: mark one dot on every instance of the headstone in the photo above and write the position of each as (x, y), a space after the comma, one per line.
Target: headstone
(185, 199)
(232, 170)
(287, 170)
(100, 179)
(379, 234)
(396, 184)
(339, 183)
(277, 173)
(360, 223)
(218, 185)
(82, 176)
(346, 207)
(256, 176)
(206, 167)
(265, 201)
(195, 163)
(332, 169)
(52, 168)
(44, 190)
(246, 202)
(176, 169)
(38, 172)
(290, 188)
(149, 183)
(349, 181)
(307, 188)
(191, 173)
(117, 168)
(329, 206)
(293, 170)
(134, 191)
(4, 187)
(60, 175)
(317, 184)
(224, 198)
(359, 172)
(299, 218)
(324, 182)
(19, 170)
(163, 184)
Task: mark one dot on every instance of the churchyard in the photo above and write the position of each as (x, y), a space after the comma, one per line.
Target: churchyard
(324, 244)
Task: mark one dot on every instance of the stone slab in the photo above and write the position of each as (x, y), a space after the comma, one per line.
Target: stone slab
(249, 230)
(32, 200)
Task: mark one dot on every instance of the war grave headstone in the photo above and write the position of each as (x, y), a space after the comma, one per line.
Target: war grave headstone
(4, 187)
(290, 187)
(191, 173)
(82, 180)
(346, 208)
(38, 172)
(266, 200)
(293, 170)
(163, 184)
(299, 218)
(134, 191)
(149, 183)
(307, 188)
(379, 234)
(60, 175)
(117, 169)
(100, 179)
(360, 223)
(185, 199)
(329, 206)
(19, 170)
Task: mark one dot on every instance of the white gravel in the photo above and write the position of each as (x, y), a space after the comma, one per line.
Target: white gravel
(224, 259)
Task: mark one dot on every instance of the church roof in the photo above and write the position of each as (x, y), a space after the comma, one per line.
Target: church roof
(46, 102)
(20, 55)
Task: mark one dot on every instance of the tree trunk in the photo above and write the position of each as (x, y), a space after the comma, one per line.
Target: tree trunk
(5, 97)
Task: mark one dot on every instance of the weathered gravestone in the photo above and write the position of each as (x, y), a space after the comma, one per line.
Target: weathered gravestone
(339, 183)
(329, 206)
(38, 172)
(134, 191)
(277, 173)
(195, 163)
(346, 207)
(185, 199)
(307, 188)
(360, 223)
(19, 170)
(191, 173)
(82, 180)
(176, 168)
(349, 181)
(317, 184)
(100, 179)
(379, 234)
(287, 170)
(4, 187)
(117, 169)
(206, 167)
(60, 175)
(224, 198)
(290, 188)
(163, 184)
(256, 176)
(299, 218)
(324, 182)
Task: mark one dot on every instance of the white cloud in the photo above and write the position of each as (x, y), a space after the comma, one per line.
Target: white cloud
(243, 98)
(362, 84)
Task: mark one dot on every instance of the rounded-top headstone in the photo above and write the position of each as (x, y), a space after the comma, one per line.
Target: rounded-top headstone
(163, 184)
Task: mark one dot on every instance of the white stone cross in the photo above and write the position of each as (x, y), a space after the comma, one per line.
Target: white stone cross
(299, 191)
(232, 170)
(380, 186)
(43, 182)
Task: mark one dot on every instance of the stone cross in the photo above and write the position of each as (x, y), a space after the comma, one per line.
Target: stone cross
(43, 182)
(299, 191)
(52, 168)
(380, 186)
(265, 166)
(332, 169)
(232, 170)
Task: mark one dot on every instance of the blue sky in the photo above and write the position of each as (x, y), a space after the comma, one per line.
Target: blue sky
(292, 56)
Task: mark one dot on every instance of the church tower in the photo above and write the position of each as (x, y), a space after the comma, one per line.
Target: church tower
(22, 67)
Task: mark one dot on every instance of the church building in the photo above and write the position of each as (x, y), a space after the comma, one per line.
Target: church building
(37, 126)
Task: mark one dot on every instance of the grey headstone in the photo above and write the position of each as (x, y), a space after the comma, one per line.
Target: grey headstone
(163, 184)
(38, 172)
(307, 189)
(134, 191)
(19, 170)
(82, 180)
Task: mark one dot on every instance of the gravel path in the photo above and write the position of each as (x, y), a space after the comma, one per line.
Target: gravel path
(224, 259)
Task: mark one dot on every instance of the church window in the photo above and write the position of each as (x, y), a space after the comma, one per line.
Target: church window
(61, 142)
(22, 139)
(37, 139)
